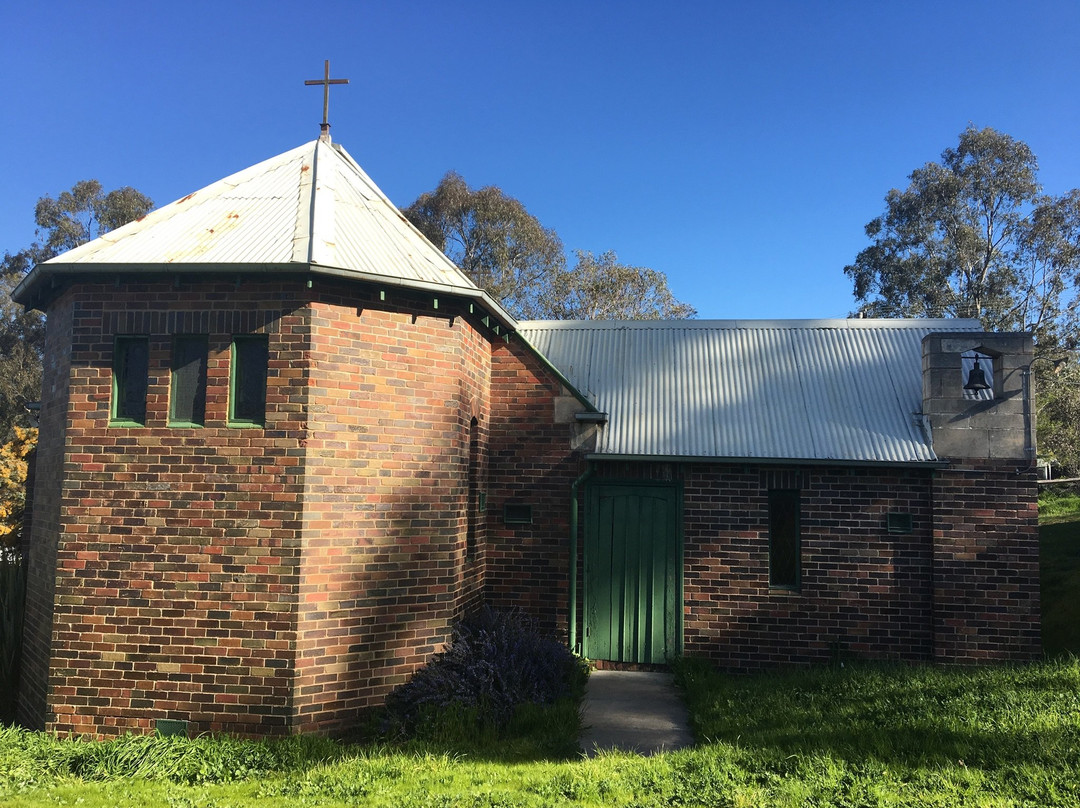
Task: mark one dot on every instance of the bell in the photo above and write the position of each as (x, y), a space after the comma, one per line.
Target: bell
(976, 378)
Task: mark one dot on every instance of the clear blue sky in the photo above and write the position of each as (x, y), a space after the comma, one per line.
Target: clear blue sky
(738, 147)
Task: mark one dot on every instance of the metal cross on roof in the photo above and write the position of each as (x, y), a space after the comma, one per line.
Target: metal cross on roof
(326, 81)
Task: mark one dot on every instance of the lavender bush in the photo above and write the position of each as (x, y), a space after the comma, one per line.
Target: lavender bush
(497, 661)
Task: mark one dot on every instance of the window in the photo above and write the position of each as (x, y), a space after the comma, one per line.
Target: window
(247, 383)
(187, 396)
(785, 543)
(516, 513)
(131, 360)
(475, 497)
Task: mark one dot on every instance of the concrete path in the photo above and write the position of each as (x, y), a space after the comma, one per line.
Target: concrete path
(634, 712)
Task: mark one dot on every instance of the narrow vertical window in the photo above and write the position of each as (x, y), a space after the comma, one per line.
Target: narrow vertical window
(785, 543)
(247, 383)
(187, 395)
(131, 365)
(474, 503)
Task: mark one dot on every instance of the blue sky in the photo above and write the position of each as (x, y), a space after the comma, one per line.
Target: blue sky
(738, 147)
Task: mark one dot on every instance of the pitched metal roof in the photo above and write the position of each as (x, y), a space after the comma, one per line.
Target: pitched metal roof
(311, 209)
(842, 390)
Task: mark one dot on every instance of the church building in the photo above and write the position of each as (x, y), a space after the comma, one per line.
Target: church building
(285, 443)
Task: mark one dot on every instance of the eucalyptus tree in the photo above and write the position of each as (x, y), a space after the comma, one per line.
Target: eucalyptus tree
(974, 235)
(506, 251)
(74, 217)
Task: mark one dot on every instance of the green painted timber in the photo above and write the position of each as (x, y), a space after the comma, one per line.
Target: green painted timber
(633, 580)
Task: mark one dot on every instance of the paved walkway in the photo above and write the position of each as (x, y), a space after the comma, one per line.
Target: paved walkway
(634, 712)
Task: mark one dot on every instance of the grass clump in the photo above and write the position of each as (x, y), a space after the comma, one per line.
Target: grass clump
(499, 679)
(29, 758)
(1059, 501)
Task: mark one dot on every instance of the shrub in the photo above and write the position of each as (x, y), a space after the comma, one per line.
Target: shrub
(496, 661)
(12, 602)
(13, 468)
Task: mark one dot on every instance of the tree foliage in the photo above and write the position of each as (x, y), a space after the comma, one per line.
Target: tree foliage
(1058, 420)
(74, 217)
(13, 467)
(975, 236)
(600, 288)
(492, 238)
(86, 212)
(507, 252)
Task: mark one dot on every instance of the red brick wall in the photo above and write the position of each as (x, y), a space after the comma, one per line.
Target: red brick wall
(45, 521)
(178, 548)
(250, 580)
(864, 592)
(384, 569)
(530, 464)
(986, 563)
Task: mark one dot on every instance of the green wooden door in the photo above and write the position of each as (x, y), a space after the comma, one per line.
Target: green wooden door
(633, 573)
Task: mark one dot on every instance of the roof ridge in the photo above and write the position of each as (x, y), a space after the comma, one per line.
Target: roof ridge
(944, 323)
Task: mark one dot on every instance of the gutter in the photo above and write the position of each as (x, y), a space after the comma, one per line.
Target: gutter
(43, 278)
(771, 461)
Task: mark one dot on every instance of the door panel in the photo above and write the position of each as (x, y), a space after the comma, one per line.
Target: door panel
(632, 573)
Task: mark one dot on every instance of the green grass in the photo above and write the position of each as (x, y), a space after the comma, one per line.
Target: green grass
(1060, 580)
(855, 736)
(1059, 501)
(858, 736)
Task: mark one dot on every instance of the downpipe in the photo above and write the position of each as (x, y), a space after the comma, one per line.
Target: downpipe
(572, 610)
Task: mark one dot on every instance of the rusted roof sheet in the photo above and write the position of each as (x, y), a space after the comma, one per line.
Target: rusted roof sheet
(841, 390)
(310, 209)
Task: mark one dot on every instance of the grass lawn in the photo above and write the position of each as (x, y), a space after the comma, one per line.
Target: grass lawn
(856, 736)
(1060, 574)
(992, 737)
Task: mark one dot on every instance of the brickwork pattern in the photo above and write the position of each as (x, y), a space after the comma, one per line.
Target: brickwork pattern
(44, 526)
(531, 463)
(986, 563)
(250, 580)
(384, 569)
(864, 592)
(178, 547)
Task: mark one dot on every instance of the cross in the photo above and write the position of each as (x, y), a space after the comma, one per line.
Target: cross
(326, 81)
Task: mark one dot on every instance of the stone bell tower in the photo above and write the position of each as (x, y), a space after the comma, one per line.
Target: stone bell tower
(978, 405)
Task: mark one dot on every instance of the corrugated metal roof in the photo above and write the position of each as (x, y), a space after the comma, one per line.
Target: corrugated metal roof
(846, 390)
(312, 208)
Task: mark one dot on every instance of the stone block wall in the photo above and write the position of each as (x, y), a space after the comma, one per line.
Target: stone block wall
(999, 425)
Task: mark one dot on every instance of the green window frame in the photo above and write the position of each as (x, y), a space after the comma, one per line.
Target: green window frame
(247, 380)
(785, 539)
(187, 391)
(130, 379)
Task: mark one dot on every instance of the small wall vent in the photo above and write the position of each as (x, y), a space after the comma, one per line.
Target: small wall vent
(898, 522)
(516, 513)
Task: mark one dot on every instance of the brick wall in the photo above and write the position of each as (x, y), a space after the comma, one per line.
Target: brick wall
(864, 592)
(250, 580)
(41, 540)
(384, 569)
(531, 463)
(986, 563)
(178, 548)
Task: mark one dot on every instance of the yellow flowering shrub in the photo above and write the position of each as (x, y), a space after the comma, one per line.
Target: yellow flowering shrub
(13, 482)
